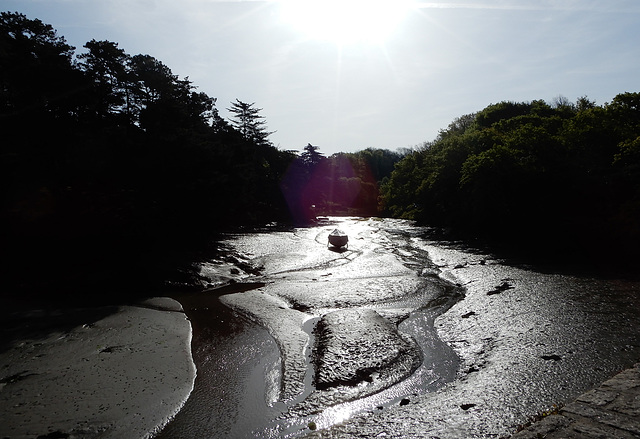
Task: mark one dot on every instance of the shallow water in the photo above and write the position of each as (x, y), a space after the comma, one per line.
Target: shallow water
(503, 342)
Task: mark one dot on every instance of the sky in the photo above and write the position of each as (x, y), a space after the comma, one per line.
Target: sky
(345, 75)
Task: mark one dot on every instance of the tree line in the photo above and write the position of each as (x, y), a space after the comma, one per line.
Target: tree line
(110, 160)
(342, 184)
(562, 178)
(113, 169)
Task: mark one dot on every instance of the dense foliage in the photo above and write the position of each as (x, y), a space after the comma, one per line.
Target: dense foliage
(112, 164)
(531, 174)
(343, 184)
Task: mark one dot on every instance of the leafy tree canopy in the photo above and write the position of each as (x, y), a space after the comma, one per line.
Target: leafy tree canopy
(559, 174)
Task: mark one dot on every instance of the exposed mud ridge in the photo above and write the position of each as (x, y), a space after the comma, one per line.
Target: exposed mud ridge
(357, 353)
(354, 344)
(285, 325)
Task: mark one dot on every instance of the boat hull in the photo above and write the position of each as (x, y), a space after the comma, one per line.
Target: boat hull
(338, 239)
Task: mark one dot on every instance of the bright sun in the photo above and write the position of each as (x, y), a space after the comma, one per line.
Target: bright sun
(345, 21)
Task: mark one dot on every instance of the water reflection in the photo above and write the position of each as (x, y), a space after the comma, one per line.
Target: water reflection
(238, 371)
(517, 341)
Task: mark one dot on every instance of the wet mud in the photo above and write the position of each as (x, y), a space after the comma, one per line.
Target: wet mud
(124, 372)
(344, 346)
(526, 340)
(396, 336)
(357, 353)
(351, 330)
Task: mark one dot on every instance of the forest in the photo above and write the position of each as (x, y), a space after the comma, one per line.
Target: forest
(114, 171)
(560, 180)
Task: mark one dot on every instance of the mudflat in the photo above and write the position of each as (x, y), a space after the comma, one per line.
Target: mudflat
(124, 372)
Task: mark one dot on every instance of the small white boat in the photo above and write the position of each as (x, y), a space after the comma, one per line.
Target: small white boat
(338, 238)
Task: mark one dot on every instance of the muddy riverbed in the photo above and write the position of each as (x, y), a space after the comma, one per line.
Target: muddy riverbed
(395, 336)
(399, 335)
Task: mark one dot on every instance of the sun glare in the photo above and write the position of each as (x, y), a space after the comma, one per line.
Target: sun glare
(345, 21)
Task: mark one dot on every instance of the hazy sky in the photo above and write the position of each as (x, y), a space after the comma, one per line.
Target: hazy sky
(350, 74)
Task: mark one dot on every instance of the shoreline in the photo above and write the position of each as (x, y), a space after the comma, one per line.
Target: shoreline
(605, 407)
(611, 409)
(126, 373)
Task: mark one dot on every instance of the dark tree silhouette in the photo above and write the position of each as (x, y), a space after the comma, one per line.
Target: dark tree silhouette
(106, 65)
(36, 68)
(249, 122)
(342, 184)
(311, 157)
(115, 165)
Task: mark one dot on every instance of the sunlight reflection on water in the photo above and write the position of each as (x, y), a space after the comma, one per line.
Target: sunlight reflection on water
(500, 338)
(302, 271)
(438, 367)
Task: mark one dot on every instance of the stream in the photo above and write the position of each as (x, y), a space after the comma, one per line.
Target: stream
(394, 336)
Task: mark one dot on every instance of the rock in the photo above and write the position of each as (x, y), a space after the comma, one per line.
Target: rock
(504, 286)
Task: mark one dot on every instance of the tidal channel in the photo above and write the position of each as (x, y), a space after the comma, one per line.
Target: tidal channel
(314, 340)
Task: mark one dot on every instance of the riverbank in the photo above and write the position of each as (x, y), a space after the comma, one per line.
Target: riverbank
(95, 364)
(110, 372)
(611, 410)
(526, 340)
(521, 341)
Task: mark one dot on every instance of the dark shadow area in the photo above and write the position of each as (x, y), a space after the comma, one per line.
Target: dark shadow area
(544, 255)
(116, 175)
(38, 323)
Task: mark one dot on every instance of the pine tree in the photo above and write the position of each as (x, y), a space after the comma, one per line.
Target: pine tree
(248, 121)
(311, 157)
